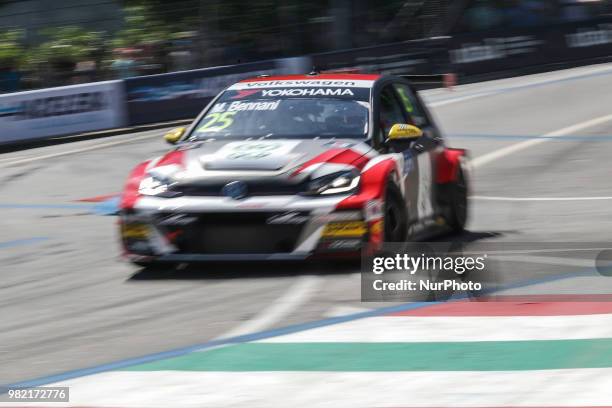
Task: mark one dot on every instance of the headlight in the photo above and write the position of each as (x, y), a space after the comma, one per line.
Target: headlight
(337, 183)
(152, 186)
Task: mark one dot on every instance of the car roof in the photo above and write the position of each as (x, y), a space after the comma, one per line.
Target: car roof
(315, 77)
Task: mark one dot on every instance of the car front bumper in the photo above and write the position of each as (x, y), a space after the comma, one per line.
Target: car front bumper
(280, 228)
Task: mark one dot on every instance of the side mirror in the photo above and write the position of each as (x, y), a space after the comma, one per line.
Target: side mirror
(402, 132)
(174, 135)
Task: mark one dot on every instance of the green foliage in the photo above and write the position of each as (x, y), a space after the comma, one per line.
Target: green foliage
(140, 28)
(11, 50)
(66, 45)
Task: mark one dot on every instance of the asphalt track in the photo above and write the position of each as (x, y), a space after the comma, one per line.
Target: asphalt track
(68, 301)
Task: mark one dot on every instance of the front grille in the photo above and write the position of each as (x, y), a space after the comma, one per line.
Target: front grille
(253, 189)
(228, 233)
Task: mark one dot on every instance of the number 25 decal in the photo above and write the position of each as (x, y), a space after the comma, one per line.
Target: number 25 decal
(221, 120)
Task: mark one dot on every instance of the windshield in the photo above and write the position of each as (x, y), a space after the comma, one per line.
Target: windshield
(237, 115)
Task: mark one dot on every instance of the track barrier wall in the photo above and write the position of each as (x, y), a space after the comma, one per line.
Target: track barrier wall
(63, 110)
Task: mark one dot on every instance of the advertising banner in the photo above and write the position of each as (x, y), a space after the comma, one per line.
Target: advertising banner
(491, 52)
(512, 50)
(410, 57)
(587, 40)
(182, 95)
(61, 111)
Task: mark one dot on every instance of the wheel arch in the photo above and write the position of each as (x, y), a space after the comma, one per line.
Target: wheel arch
(373, 185)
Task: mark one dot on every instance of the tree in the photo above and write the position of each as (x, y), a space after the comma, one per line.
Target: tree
(140, 28)
(11, 49)
(66, 46)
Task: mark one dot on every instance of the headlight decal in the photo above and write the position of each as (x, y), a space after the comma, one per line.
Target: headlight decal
(342, 182)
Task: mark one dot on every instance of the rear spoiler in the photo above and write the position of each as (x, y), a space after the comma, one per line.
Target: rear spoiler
(432, 81)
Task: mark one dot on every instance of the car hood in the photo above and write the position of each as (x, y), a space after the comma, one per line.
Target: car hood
(221, 161)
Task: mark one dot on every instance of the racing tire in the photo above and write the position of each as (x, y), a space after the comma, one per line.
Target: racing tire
(458, 202)
(395, 220)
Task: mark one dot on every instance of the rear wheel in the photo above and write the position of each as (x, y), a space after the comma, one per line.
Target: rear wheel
(395, 220)
(459, 202)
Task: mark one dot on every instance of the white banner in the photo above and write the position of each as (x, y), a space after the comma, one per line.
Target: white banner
(61, 111)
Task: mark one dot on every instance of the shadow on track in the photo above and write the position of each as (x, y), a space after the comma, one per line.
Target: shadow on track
(472, 236)
(240, 270)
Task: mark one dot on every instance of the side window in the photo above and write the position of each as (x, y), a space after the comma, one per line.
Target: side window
(411, 105)
(390, 111)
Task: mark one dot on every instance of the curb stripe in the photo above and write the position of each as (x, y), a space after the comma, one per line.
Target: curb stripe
(117, 365)
(366, 357)
(307, 389)
(417, 329)
(122, 364)
(525, 307)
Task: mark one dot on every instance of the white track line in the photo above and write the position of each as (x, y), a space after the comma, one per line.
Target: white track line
(296, 296)
(489, 198)
(80, 150)
(517, 147)
(500, 88)
(548, 260)
(338, 311)
(460, 99)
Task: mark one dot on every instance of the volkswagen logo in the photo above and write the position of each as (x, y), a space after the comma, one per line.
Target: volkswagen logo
(235, 190)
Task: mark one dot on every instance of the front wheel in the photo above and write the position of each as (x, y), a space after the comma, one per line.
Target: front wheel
(395, 221)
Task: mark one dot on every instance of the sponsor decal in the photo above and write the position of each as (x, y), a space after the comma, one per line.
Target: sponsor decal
(255, 149)
(288, 83)
(307, 92)
(305, 83)
(288, 218)
(590, 37)
(243, 93)
(245, 106)
(135, 231)
(339, 216)
(178, 219)
(345, 229)
(341, 245)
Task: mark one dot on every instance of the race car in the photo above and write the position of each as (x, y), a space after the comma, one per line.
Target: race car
(294, 167)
